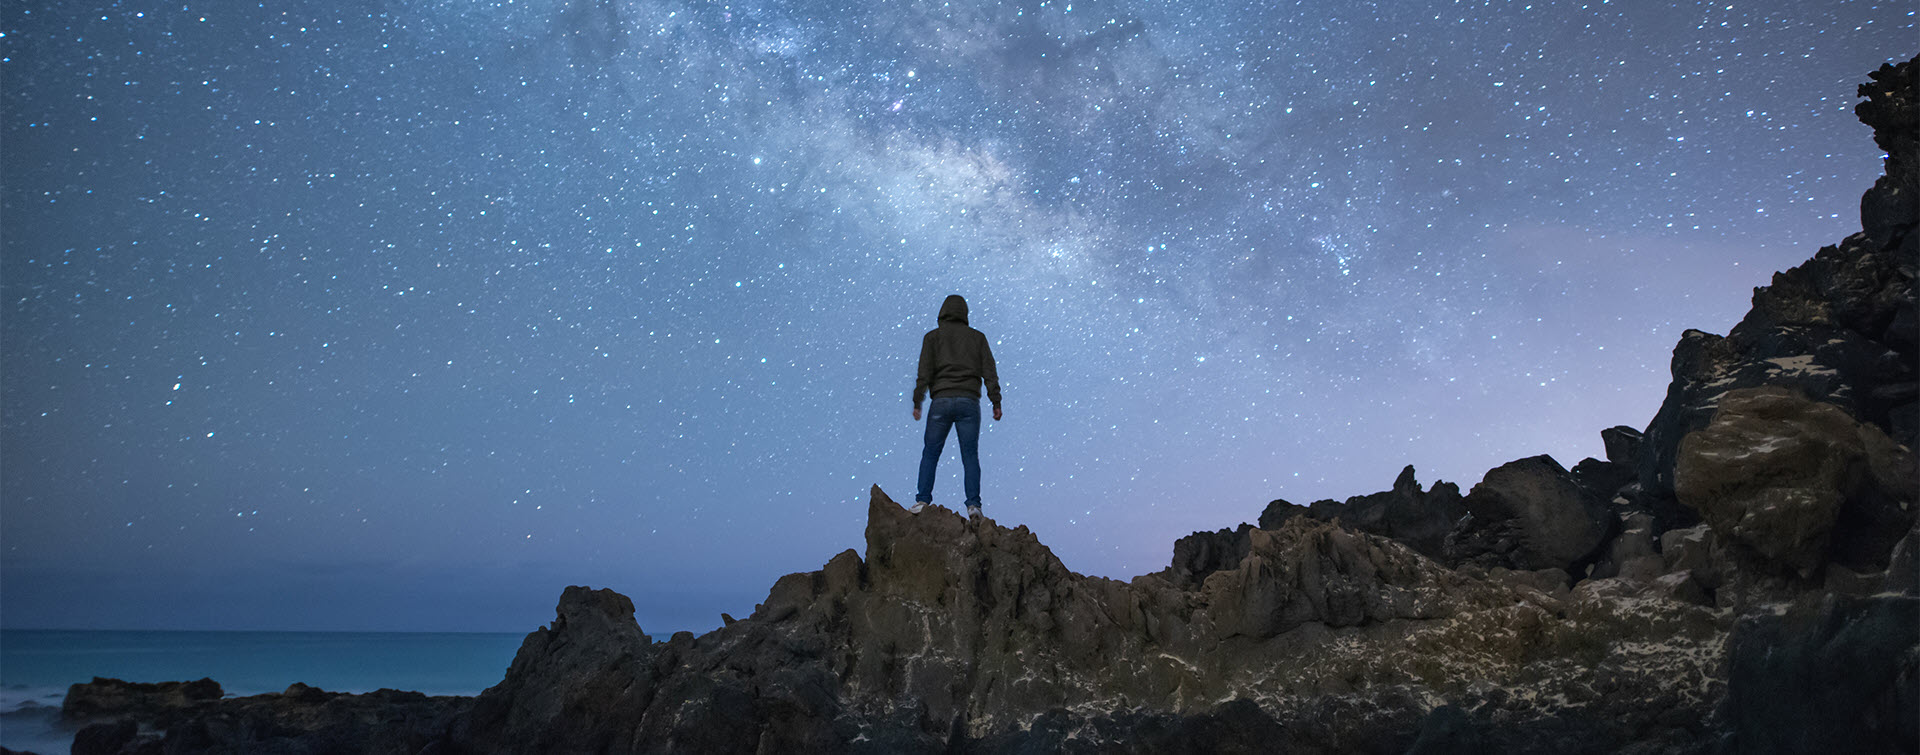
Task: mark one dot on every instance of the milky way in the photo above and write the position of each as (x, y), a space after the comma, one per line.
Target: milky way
(348, 315)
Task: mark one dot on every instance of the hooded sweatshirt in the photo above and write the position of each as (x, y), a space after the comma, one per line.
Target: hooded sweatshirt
(955, 358)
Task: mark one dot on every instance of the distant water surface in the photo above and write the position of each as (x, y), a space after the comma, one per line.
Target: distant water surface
(37, 666)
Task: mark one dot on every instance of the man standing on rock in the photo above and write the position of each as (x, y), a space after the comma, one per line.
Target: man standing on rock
(954, 361)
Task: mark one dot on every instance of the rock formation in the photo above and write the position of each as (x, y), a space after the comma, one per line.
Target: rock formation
(1777, 473)
(971, 636)
(1739, 577)
(1840, 328)
(180, 717)
(1419, 518)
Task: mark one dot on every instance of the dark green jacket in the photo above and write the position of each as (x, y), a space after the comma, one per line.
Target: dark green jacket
(955, 358)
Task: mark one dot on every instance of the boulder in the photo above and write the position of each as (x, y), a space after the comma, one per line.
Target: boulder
(578, 683)
(1623, 445)
(1775, 472)
(1532, 514)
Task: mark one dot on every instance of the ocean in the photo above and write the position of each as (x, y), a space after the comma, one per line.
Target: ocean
(37, 666)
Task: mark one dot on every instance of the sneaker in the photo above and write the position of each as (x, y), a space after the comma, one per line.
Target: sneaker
(973, 511)
(918, 506)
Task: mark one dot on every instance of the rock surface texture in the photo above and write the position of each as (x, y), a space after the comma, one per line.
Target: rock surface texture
(193, 717)
(950, 635)
(1739, 577)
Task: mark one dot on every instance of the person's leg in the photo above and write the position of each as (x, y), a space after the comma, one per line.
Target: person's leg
(939, 418)
(967, 422)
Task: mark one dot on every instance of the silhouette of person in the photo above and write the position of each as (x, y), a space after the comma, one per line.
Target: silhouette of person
(954, 362)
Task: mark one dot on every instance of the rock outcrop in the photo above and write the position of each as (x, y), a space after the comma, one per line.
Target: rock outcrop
(1740, 577)
(1532, 514)
(1783, 476)
(950, 635)
(123, 718)
(1419, 518)
(113, 696)
(1839, 329)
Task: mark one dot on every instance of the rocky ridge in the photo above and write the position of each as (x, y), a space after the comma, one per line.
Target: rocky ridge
(1738, 577)
(115, 716)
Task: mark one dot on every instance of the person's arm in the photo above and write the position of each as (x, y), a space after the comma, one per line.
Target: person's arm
(991, 374)
(925, 377)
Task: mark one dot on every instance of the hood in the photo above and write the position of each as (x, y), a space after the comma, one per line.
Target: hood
(954, 309)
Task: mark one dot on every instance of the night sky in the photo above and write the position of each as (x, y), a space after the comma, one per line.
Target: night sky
(405, 315)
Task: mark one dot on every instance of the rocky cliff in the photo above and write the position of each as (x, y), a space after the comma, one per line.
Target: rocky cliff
(1739, 577)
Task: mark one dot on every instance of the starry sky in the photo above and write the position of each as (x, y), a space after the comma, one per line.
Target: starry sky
(352, 315)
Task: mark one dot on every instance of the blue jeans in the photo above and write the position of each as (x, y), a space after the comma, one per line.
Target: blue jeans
(962, 414)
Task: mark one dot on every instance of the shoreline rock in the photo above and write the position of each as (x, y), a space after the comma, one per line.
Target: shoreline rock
(115, 717)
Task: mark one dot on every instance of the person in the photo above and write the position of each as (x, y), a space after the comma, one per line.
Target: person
(955, 361)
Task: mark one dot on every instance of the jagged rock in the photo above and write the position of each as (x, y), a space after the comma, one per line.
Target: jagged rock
(1777, 473)
(578, 684)
(1277, 512)
(1318, 572)
(953, 635)
(1887, 210)
(113, 697)
(125, 718)
(1418, 518)
(959, 636)
(1840, 328)
(1623, 445)
(1831, 674)
(1202, 553)
(1531, 514)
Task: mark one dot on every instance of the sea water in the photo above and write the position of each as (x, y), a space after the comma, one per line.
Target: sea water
(37, 666)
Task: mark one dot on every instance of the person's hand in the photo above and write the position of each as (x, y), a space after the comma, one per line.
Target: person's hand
(916, 413)
(996, 412)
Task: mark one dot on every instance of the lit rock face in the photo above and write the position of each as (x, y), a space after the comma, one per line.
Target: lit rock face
(972, 636)
(1779, 473)
(1841, 328)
